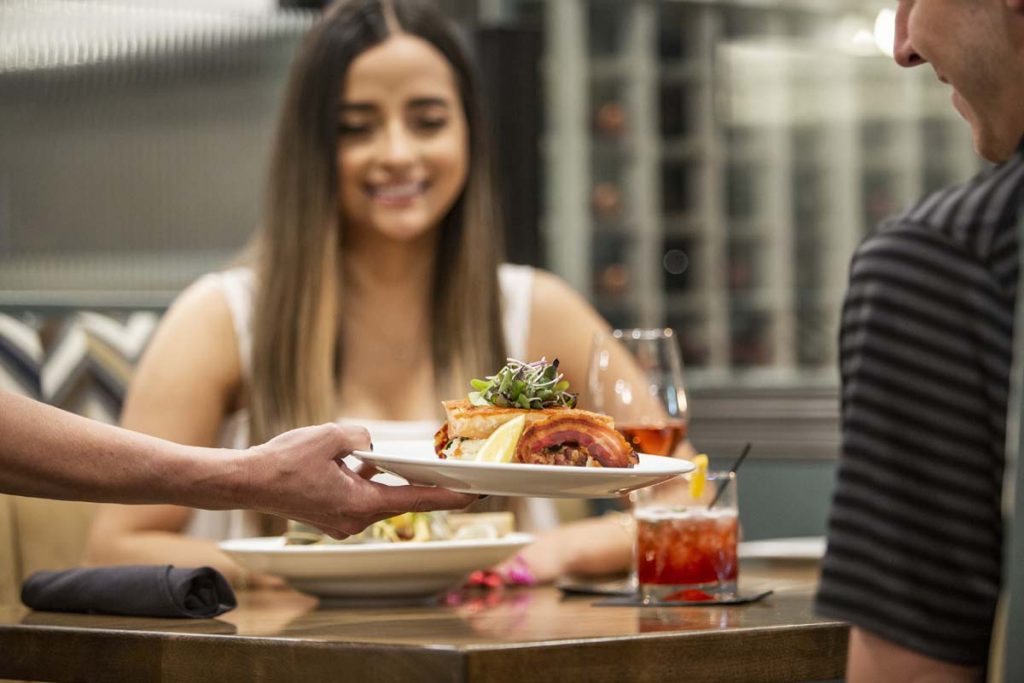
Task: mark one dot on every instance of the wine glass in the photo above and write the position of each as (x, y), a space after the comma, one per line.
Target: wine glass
(636, 377)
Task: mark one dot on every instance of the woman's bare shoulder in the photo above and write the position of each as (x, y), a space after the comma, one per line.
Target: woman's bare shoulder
(191, 370)
(554, 297)
(200, 320)
(563, 322)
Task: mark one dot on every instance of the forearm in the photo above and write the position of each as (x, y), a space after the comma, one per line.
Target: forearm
(46, 452)
(872, 659)
(602, 545)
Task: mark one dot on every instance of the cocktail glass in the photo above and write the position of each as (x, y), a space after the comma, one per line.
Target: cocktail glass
(685, 547)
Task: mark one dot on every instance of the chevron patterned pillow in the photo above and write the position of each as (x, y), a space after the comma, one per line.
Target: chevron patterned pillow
(20, 356)
(88, 360)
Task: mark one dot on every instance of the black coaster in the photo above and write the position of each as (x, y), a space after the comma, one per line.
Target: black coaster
(616, 588)
(635, 601)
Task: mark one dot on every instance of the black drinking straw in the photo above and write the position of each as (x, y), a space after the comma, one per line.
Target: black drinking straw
(735, 466)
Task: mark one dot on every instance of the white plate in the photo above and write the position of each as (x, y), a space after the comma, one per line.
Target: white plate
(804, 548)
(373, 570)
(416, 462)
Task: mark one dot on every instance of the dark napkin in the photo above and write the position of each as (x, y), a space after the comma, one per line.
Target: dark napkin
(134, 590)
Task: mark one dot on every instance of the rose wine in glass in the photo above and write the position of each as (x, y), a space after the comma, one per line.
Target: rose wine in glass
(636, 377)
(656, 440)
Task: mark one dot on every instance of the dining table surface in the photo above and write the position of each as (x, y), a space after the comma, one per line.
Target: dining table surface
(521, 635)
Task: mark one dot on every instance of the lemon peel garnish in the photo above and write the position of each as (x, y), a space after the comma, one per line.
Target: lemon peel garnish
(699, 475)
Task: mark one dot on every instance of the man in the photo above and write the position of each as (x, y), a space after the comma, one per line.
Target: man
(46, 452)
(914, 541)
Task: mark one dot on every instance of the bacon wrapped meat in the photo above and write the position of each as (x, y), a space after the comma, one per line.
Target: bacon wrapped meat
(555, 437)
(574, 437)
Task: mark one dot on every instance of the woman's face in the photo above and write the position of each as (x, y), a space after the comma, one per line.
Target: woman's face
(402, 140)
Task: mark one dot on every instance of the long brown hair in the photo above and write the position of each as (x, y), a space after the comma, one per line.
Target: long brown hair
(298, 305)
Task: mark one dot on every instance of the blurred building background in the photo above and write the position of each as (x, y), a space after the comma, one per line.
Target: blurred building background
(704, 164)
(719, 161)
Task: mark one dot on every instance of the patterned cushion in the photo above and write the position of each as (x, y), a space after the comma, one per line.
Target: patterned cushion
(20, 356)
(88, 360)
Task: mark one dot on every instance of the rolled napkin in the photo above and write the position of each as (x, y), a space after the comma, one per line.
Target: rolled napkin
(134, 590)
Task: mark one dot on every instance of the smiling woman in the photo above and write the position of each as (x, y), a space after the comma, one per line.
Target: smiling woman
(402, 152)
(374, 290)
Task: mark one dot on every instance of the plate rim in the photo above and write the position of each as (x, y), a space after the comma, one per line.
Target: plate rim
(681, 465)
(513, 538)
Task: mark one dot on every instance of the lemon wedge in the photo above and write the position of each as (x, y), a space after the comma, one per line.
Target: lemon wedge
(501, 444)
(698, 476)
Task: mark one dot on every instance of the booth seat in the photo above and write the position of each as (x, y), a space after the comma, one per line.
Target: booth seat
(80, 362)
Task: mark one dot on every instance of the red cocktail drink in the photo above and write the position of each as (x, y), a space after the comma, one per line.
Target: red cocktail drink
(689, 549)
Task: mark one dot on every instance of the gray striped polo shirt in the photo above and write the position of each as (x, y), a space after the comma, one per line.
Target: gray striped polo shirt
(915, 531)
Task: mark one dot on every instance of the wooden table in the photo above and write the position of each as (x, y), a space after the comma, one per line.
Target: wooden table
(522, 635)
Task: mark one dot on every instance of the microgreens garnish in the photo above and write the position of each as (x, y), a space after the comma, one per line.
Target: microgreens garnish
(524, 385)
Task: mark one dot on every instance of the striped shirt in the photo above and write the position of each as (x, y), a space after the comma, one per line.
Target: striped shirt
(915, 532)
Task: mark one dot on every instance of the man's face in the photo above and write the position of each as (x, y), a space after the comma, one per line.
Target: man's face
(976, 46)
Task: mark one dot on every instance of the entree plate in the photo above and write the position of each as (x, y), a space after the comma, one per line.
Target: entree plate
(373, 570)
(807, 548)
(416, 462)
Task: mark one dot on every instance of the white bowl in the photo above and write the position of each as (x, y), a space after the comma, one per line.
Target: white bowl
(373, 570)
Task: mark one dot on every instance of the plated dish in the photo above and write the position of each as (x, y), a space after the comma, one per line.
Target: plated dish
(416, 462)
(373, 571)
(413, 527)
(519, 433)
(525, 414)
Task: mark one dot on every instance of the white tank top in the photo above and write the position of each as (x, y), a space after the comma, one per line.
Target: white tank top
(239, 287)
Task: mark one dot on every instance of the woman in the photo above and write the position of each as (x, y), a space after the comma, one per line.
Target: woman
(375, 290)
